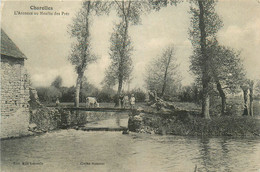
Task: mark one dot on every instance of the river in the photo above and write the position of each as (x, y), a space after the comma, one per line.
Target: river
(76, 150)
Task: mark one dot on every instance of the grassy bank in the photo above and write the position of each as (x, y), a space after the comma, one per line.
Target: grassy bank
(189, 125)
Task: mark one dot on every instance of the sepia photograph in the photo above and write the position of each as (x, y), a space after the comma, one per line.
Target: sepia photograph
(130, 86)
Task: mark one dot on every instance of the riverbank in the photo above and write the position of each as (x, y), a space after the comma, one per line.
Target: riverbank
(52, 118)
(186, 123)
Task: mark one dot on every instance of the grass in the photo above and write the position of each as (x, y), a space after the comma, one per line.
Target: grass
(237, 126)
(188, 123)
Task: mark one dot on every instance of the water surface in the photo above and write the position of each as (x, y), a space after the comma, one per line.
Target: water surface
(75, 150)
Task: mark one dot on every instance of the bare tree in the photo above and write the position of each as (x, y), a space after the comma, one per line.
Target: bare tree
(162, 73)
(204, 25)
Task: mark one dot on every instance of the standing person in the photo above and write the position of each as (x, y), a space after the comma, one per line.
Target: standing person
(125, 101)
(132, 101)
(121, 98)
(57, 101)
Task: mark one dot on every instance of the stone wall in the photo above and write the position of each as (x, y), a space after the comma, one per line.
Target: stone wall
(14, 97)
(53, 118)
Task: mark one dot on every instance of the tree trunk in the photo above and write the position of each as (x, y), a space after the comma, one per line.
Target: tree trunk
(205, 74)
(245, 94)
(223, 98)
(122, 54)
(78, 84)
(120, 85)
(251, 98)
(164, 85)
(205, 103)
(165, 76)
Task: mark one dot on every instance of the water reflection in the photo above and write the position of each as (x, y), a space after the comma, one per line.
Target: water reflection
(64, 150)
(205, 153)
(118, 121)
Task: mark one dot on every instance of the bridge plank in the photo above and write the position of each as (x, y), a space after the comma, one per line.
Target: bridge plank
(103, 129)
(98, 109)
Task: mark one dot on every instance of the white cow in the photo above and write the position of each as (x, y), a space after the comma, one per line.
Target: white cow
(91, 102)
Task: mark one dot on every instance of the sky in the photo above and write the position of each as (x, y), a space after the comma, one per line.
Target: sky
(45, 40)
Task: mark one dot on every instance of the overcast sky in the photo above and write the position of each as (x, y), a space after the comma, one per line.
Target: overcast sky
(44, 39)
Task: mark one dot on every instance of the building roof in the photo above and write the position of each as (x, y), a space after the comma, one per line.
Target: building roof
(9, 48)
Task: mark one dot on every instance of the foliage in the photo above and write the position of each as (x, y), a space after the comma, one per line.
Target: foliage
(48, 94)
(162, 74)
(212, 24)
(158, 4)
(190, 94)
(120, 54)
(67, 94)
(57, 83)
(188, 124)
(87, 90)
(139, 94)
(257, 90)
(204, 25)
(121, 67)
(226, 67)
(81, 54)
(106, 96)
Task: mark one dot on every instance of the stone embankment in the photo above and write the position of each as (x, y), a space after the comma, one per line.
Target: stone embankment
(45, 119)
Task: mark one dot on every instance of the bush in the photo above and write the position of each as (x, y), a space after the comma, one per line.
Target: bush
(105, 97)
(190, 94)
(193, 125)
(67, 94)
(139, 95)
(48, 94)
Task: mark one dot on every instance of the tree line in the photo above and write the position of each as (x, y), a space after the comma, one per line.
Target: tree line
(217, 68)
(56, 90)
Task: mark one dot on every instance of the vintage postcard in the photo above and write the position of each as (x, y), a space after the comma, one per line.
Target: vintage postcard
(119, 85)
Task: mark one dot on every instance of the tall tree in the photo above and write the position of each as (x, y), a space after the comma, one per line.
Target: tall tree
(162, 73)
(81, 54)
(227, 71)
(120, 50)
(204, 25)
(120, 54)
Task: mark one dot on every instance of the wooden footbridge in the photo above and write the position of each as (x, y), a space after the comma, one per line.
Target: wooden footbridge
(98, 109)
(100, 127)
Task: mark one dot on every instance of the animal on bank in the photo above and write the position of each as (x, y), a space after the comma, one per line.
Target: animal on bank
(91, 102)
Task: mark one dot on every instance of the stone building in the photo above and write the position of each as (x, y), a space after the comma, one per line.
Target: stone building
(14, 90)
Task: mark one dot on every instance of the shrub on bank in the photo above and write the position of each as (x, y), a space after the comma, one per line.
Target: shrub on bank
(189, 125)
